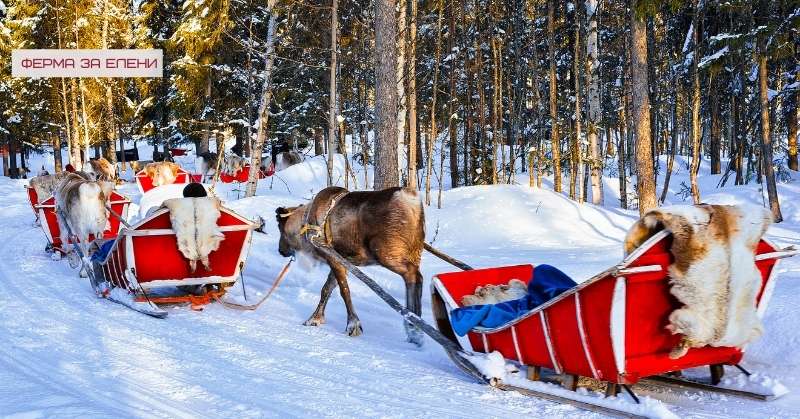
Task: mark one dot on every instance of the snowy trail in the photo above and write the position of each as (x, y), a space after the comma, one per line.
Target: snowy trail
(65, 353)
(72, 354)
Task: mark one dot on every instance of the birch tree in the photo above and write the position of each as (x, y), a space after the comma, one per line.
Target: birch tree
(593, 113)
(266, 100)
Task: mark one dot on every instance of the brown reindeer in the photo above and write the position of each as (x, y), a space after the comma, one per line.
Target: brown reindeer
(383, 227)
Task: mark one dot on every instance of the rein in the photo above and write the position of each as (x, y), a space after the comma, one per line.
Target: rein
(250, 307)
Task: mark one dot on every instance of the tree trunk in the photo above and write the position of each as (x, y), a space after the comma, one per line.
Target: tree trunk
(496, 87)
(715, 139)
(332, 99)
(401, 48)
(65, 108)
(791, 122)
(411, 99)
(432, 133)
(75, 146)
(623, 180)
(766, 140)
(263, 109)
(452, 120)
(641, 112)
(593, 115)
(695, 161)
(577, 160)
(111, 130)
(673, 140)
(56, 141)
(386, 174)
(551, 54)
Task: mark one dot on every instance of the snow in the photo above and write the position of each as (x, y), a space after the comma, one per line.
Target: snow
(65, 352)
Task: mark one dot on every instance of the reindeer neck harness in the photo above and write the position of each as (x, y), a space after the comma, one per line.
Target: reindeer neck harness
(314, 231)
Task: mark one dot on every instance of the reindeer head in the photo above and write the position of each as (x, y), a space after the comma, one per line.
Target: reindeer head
(290, 221)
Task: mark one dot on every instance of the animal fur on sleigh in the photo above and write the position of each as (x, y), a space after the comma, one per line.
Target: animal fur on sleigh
(162, 173)
(714, 274)
(103, 169)
(493, 294)
(81, 205)
(195, 223)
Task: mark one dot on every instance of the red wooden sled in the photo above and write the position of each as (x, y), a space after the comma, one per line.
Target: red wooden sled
(145, 259)
(145, 184)
(242, 176)
(610, 327)
(33, 198)
(46, 212)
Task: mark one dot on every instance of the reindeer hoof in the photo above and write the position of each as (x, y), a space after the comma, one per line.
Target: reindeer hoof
(314, 321)
(354, 327)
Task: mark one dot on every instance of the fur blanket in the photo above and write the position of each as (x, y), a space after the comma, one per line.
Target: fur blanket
(493, 294)
(195, 223)
(103, 169)
(162, 173)
(45, 185)
(81, 205)
(714, 274)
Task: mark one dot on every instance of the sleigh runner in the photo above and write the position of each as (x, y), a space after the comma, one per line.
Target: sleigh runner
(610, 327)
(144, 265)
(46, 214)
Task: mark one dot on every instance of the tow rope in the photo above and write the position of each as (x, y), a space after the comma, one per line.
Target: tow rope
(250, 307)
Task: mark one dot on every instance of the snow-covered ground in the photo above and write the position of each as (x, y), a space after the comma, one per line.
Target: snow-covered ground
(65, 353)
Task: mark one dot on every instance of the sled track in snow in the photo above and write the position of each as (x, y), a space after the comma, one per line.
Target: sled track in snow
(63, 305)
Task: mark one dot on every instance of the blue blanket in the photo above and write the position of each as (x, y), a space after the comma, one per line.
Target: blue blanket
(101, 253)
(547, 282)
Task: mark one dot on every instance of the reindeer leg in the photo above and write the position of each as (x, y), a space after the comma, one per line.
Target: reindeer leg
(353, 323)
(318, 317)
(413, 280)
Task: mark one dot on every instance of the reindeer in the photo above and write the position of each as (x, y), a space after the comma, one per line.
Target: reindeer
(81, 209)
(385, 227)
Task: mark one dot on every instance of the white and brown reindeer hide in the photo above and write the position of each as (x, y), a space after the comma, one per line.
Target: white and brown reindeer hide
(493, 294)
(714, 274)
(103, 169)
(195, 223)
(81, 205)
(162, 173)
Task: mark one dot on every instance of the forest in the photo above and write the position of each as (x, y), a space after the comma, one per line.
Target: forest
(462, 92)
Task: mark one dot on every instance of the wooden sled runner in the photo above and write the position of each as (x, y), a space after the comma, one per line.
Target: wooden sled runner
(46, 213)
(145, 184)
(144, 268)
(610, 327)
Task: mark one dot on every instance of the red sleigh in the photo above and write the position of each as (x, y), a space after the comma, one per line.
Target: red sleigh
(610, 327)
(33, 198)
(46, 213)
(145, 262)
(242, 175)
(145, 184)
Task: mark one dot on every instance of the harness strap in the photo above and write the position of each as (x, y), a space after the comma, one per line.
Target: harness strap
(322, 229)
